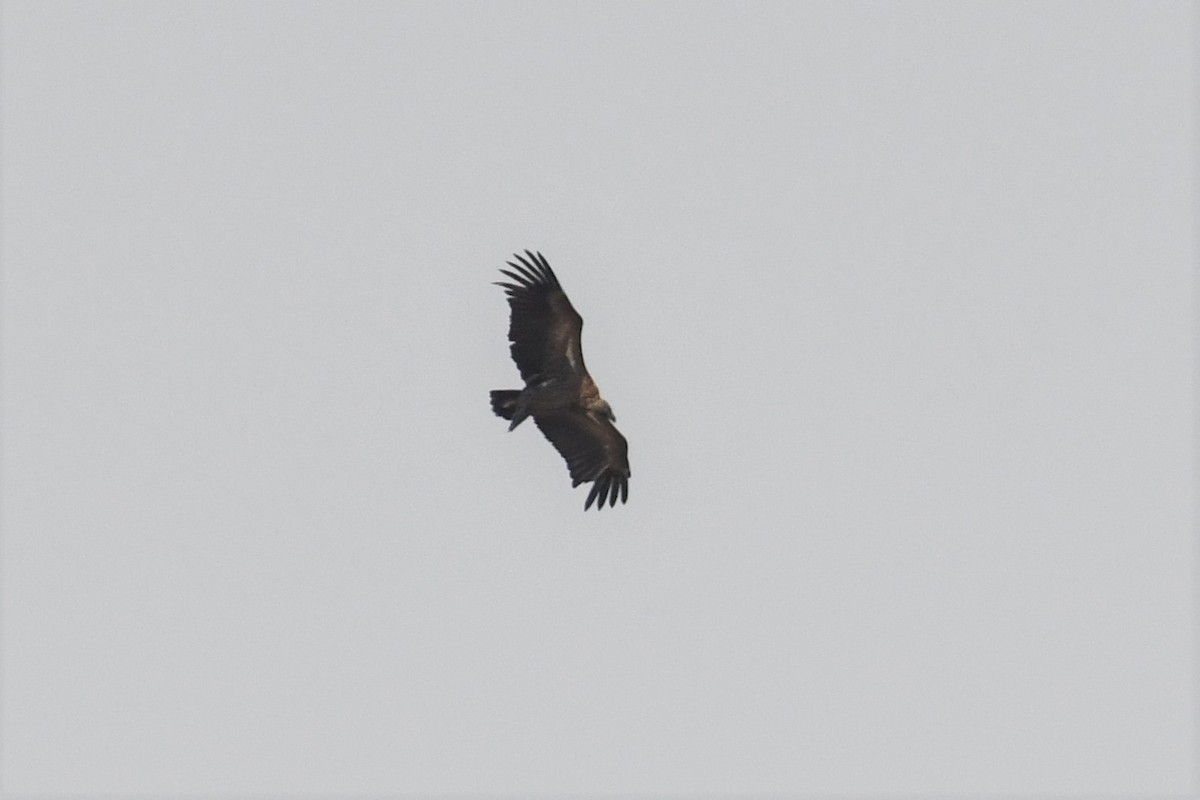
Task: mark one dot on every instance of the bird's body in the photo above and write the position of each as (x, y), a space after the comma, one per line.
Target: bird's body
(559, 394)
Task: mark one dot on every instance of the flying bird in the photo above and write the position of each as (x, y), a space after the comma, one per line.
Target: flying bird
(559, 394)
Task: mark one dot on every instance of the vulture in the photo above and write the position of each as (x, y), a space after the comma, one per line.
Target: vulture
(559, 394)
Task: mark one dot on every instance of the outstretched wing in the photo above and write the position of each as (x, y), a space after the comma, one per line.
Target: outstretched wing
(594, 451)
(544, 328)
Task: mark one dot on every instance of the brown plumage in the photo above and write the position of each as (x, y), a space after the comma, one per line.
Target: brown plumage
(559, 394)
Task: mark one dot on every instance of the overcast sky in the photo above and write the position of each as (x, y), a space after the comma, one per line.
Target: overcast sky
(892, 301)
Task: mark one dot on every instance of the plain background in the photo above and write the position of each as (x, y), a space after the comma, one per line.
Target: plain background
(893, 302)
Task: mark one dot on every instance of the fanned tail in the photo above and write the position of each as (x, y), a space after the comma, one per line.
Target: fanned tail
(504, 402)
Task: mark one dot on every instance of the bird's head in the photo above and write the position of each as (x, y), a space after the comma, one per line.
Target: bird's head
(606, 411)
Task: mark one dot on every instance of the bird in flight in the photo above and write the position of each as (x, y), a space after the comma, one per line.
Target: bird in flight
(544, 330)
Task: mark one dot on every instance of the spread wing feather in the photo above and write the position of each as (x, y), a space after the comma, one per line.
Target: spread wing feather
(594, 451)
(544, 327)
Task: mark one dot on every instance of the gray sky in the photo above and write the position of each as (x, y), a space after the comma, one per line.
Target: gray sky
(893, 303)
